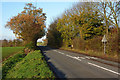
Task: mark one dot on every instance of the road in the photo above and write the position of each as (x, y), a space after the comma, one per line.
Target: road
(72, 65)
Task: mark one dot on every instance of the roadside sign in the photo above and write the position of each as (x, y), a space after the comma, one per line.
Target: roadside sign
(104, 39)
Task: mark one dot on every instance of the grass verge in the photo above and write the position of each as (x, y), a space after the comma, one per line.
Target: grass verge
(8, 51)
(31, 66)
(95, 54)
(11, 62)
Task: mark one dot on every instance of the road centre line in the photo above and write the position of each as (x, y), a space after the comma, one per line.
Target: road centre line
(77, 58)
(104, 68)
(69, 56)
(82, 57)
(93, 57)
(60, 52)
(87, 57)
(55, 50)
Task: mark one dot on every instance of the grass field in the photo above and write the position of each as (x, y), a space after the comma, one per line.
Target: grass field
(32, 65)
(7, 51)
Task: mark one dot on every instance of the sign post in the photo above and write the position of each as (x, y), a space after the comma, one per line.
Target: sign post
(104, 40)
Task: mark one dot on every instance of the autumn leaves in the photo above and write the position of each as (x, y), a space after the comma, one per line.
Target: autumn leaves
(29, 24)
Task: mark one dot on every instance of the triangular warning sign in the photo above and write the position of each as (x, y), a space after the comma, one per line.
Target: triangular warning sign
(104, 39)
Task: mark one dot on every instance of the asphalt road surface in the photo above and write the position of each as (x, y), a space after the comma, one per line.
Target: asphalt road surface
(67, 64)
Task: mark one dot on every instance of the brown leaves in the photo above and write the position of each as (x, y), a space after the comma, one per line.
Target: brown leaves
(28, 23)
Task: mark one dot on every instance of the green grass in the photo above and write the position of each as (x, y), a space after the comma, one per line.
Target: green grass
(31, 66)
(7, 51)
(40, 43)
(11, 62)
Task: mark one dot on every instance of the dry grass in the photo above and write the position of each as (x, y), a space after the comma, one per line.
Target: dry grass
(95, 54)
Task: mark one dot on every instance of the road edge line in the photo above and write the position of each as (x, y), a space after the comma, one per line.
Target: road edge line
(104, 68)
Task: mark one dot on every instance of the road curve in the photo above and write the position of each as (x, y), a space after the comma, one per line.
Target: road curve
(67, 64)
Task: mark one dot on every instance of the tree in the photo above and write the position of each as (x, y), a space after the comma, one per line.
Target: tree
(53, 35)
(84, 19)
(67, 29)
(88, 20)
(17, 42)
(11, 43)
(115, 10)
(29, 24)
(110, 12)
(5, 43)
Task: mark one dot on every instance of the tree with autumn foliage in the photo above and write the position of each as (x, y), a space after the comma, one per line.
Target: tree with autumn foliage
(29, 24)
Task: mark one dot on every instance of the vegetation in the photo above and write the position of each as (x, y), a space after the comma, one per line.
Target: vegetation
(29, 24)
(54, 36)
(8, 51)
(31, 66)
(40, 43)
(84, 25)
(11, 43)
(11, 62)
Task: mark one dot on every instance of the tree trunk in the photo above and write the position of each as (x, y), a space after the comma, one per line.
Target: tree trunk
(35, 43)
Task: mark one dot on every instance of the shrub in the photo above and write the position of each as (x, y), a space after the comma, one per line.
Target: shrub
(79, 44)
(96, 45)
(29, 46)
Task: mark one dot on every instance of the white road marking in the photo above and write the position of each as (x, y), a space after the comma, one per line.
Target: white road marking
(55, 50)
(77, 58)
(87, 57)
(69, 56)
(93, 58)
(104, 68)
(82, 57)
(60, 52)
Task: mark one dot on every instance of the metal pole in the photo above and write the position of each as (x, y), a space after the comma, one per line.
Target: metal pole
(104, 47)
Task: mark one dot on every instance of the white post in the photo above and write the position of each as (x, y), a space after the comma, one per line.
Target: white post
(104, 47)
(104, 40)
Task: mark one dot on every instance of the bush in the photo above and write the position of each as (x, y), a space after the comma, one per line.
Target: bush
(79, 44)
(29, 46)
(95, 44)
(112, 44)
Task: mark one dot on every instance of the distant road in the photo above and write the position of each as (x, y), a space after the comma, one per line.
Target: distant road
(72, 65)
